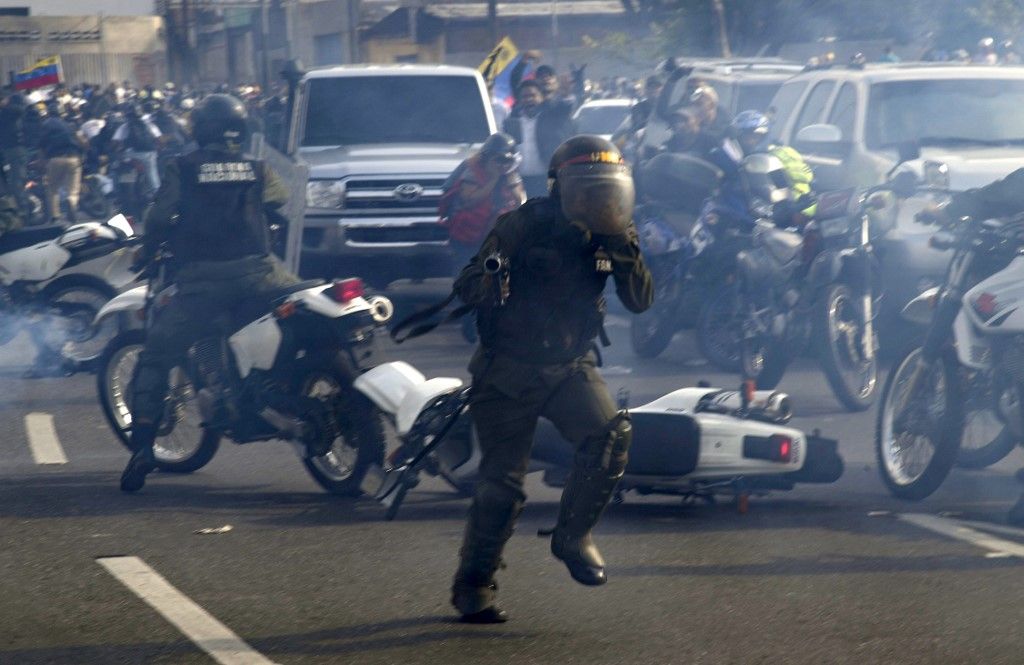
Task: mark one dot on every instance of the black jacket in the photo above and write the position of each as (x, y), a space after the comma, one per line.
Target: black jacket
(557, 273)
(554, 125)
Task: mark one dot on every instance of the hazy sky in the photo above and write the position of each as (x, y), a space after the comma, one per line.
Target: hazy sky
(82, 7)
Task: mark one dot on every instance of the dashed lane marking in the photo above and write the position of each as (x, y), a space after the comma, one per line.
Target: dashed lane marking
(42, 439)
(193, 621)
(958, 530)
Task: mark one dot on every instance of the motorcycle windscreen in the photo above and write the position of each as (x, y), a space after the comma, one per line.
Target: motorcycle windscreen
(664, 444)
(294, 175)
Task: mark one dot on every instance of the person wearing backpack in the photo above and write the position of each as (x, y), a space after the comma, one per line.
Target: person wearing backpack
(481, 189)
(142, 139)
(62, 147)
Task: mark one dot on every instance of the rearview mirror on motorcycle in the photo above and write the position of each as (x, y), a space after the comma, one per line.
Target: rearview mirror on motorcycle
(904, 184)
(906, 151)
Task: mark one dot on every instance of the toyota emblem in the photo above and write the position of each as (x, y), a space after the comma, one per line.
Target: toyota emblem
(409, 191)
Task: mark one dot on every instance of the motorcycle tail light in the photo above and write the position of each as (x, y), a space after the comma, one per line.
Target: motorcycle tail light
(284, 310)
(774, 448)
(345, 290)
(986, 304)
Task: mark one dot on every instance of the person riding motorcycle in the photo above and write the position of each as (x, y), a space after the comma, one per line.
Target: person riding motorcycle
(211, 212)
(749, 136)
(1000, 199)
(537, 284)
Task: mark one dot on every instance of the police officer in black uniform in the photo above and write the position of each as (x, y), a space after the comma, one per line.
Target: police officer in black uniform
(538, 315)
(211, 210)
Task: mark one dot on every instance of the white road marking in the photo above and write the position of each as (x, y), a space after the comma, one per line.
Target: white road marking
(42, 439)
(994, 528)
(193, 621)
(955, 529)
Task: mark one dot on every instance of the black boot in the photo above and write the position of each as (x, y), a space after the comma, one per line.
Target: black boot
(586, 494)
(142, 462)
(491, 521)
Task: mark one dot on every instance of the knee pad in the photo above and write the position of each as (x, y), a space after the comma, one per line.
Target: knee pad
(608, 451)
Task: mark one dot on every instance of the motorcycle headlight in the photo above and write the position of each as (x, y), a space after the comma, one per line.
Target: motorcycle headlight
(325, 194)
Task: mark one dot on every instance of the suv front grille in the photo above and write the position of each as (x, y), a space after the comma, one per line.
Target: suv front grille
(393, 234)
(390, 195)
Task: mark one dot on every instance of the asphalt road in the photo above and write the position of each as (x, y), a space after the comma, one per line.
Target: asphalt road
(823, 574)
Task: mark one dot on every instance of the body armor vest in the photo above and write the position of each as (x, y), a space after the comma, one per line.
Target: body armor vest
(221, 215)
(555, 308)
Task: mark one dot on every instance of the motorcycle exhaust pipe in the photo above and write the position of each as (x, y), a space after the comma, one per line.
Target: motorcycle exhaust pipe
(381, 309)
(290, 428)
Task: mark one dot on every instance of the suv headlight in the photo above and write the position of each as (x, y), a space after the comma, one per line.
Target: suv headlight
(325, 194)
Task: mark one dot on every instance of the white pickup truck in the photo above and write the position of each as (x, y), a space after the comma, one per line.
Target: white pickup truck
(379, 141)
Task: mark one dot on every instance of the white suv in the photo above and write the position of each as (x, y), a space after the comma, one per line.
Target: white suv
(850, 124)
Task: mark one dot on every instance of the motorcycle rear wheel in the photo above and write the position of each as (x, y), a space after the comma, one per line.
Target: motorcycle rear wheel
(360, 442)
(182, 445)
(914, 464)
(839, 329)
(716, 329)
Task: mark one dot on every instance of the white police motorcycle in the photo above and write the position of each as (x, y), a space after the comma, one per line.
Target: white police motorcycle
(282, 369)
(692, 442)
(54, 279)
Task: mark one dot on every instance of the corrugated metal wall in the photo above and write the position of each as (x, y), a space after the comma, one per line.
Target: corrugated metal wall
(140, 69)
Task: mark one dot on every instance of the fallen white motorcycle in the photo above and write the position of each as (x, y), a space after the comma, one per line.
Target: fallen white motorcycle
(692, 442)
(282, 369)
(54, 279)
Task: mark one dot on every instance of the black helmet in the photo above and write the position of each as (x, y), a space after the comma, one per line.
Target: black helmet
(220, 119)
(499, 145)
(593, 183)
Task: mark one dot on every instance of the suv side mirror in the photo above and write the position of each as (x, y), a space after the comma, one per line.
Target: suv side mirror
(829, 135)
(908, 151)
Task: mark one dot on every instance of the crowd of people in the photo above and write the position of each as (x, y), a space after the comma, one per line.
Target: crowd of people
(71, 132)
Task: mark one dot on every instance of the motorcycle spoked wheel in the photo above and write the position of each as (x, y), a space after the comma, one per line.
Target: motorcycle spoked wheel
(77, 338)
(852, 376)
(182, 444)
(917, 436)
(360, 440)
(986, 440)
(716, 329)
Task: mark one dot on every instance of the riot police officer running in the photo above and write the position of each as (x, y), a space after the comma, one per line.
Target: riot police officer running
(211, 211)
(537, 283)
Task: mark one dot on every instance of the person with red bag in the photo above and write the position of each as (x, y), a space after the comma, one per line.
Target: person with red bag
(478, 191)
(481, 189)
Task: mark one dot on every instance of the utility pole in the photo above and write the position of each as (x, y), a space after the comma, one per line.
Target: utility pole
(492, 19)
(723, 34)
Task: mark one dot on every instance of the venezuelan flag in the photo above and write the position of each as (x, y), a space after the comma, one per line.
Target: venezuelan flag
(497, 69)
(45, 72)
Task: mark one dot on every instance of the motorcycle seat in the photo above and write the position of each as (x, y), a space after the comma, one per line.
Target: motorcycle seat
(295, 288)
(22, 238)
(783, 246)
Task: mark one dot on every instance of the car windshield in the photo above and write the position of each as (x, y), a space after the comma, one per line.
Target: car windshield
(756, 96)
(394, 109)
(950, 112)
(600, 119)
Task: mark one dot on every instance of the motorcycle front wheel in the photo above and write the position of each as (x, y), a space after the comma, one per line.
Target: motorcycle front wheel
(74, 336)
(182, 444)
(919, 425)
(852, 373)
(359, 432)
(986, 439)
